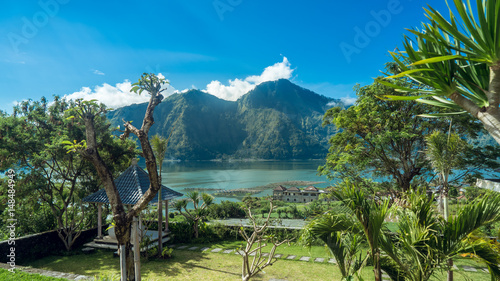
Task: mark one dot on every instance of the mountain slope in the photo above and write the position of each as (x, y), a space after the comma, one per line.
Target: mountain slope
(276, 120)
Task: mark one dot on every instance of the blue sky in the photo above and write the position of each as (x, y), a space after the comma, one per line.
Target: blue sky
(95, 48)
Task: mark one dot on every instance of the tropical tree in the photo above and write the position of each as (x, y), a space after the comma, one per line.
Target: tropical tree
(445, 154)
(255, 242)
(382, 139)
(196, 215)
(343, 235)
(31, 141)
(88, 112)
(370, 215)
(159, 145)
(425, 242)
(457, 61)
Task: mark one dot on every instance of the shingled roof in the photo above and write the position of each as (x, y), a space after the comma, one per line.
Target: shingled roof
(311, 188)
(280, 188)
(131, 185)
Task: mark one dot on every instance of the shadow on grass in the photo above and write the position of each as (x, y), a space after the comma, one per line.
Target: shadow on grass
(103, 262)
(181, 260)
(217, 270)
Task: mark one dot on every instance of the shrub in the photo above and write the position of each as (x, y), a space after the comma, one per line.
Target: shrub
(226, 209)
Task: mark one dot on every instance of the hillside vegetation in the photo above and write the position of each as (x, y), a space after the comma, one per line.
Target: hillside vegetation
(276, 120)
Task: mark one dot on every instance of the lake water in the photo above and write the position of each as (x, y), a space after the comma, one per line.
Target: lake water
(227, 175)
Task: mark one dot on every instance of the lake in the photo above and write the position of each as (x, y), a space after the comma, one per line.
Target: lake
(229, 175)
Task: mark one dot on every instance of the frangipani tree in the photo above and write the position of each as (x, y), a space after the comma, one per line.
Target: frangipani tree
(458, 60)
(89, 148)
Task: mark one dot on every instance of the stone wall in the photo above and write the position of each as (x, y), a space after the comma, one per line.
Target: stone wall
(40, 245)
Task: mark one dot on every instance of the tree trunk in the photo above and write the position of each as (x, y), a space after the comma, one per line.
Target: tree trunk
(450, 273)
(195, 228)
(376, 267)
(123, 236)
(160, 222)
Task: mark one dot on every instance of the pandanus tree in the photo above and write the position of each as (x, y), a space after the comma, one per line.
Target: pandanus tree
(458, 62)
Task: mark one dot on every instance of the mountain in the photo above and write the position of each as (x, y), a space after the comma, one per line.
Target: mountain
(276, 120)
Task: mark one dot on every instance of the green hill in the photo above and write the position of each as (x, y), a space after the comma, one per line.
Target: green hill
(276, 120)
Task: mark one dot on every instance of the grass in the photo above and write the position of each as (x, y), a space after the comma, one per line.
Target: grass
(196, 265)
(17, 275)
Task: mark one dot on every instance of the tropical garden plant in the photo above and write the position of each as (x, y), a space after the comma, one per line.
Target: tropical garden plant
(457, 60)
(444, 151)
(199, 213)
(87, 112)
(424, 243)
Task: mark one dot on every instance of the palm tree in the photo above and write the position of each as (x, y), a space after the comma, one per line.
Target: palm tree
(370, 215)
(343, 235)
(458, 60)
(424, 242)
(444, 154)
(159, 145)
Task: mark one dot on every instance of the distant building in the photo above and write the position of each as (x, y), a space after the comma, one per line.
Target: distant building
(294, 194)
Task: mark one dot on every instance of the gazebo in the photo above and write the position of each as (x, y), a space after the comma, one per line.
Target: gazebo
(131, 185)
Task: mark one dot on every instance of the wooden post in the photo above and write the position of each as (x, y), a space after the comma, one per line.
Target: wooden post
(160, 221)
(137, 250)
(166, 216)
(99, 220)
(123, 267)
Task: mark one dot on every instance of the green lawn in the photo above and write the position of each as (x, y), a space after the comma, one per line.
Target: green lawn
(195, 265)
(6, 275)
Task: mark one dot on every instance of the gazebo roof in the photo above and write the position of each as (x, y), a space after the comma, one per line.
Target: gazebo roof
(131, 185)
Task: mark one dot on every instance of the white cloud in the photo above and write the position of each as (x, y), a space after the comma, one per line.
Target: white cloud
(115, 96)
(98, 72)
(238, 87)
(348, 100)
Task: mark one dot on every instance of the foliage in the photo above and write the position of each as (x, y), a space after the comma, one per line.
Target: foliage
(199, 212)
(424, 242)
(31, 143)
(458, 61)
(226, 209)
(341, 234)
(383, 139)
(445, 154)
(87, 112)
(370, 216)
(277, 120)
